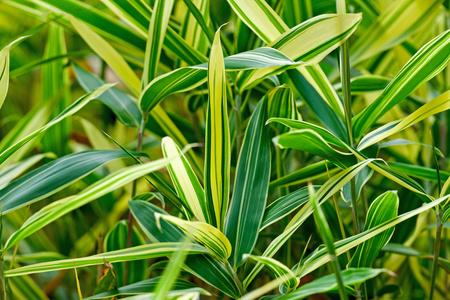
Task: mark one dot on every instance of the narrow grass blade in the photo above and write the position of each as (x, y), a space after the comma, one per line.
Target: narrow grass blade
(59, 208)
(129, 254)
(158, 26)
(123, 106)
(75, 107)
(54, 176)
(435, 106)
(424, 65)
(148, 286)
(217, 140)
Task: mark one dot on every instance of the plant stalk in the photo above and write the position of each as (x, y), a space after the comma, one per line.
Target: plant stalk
(235, 277)
(437, 246)
(133, 193)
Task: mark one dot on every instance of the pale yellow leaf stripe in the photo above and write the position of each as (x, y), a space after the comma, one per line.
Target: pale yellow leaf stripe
(186, 183)
(218, 157)
(209, 236)
(437, 105)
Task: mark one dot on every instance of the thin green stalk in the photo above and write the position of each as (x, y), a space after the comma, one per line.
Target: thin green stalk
(236, 278)
(344, 66)
(437, 246)
(327, 237)
(439, 225)
(133, 193)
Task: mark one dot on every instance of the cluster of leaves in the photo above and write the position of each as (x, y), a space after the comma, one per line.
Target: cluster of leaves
(192, 175)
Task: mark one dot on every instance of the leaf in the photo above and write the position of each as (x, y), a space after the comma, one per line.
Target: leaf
(282, 104)
(400, 20)
(54, 176)
(102, 187)
(285, 205)
(185, 181)
(171, 271)
(129, 254)
(188, 78)
(319, 257)
(217, 139)
(366, 83)
(290, 282)
(325, 192)
(310, 172)
(402, 142)
(302, 43)
(75, 107)
(328, 283)
(4, 70)
(126, 109)
(206, 267)
(382, 209)
(423, 66)
(13, 171)
(437, 105)
(158, 26)
(309, 141)
(55, 85)
(148, 286)
(108, 280)
(251, 187)
(210, 237)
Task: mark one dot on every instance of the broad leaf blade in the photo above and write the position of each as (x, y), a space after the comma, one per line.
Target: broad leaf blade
(251, 187)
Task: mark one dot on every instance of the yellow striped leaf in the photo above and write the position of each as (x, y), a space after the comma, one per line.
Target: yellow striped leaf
(185, 181)
(217, 144)
(207, 235)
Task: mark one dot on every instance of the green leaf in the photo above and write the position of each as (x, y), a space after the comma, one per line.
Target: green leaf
(75, 107)
(206, 267)
(184, 79)
(282, 104)
(217, 140)
(332, 186)
(102, 187)
(290, 282)
(129, 254)
(123, 106)
(148, 286)
(383, 209)
(285, 205)
(328, 283)
(158, 26)
(55, 85)
(320, 257)
(366, 83)
(4, 70)
(251, 187)
(108, 280)
(424, 65)
(185, 181)
(400, 20)
(54, 176)
(402, 142)
(209, 236)
(309, 141)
